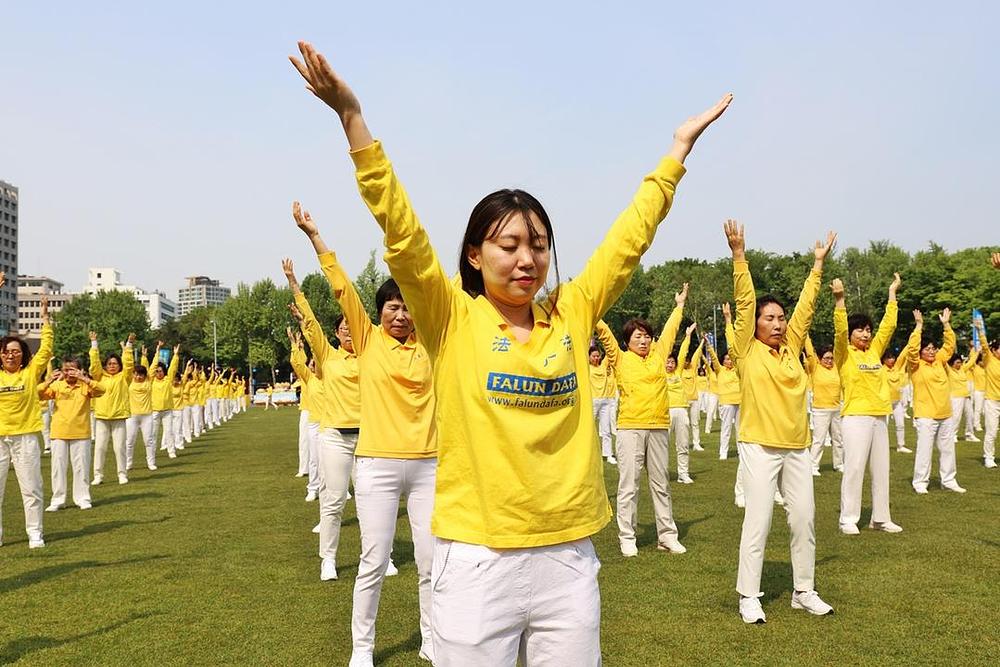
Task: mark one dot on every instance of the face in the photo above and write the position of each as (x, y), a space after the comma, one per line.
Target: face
(159, 374)
(929, 352)
(12, 356)
(890, 362)
(595, 358)
(727, 361)
(66, 367)
(771, 325)
(671, 365)
(957, 364)
(639, 342)
(344, 336)
(396, 319)
(827, 360)
(112, 367)
(514, 265)
(139, 378)
(861, 338)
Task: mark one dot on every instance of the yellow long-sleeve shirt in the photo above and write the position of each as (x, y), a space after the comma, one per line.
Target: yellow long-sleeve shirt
(643, 401)
(727, 381)
(19, 411)
(701, 383)
(311, 398)
(140, 397)
(690, 376)
(773, 382)
(71, 416)
(897, 378)
(959, 379)
(825, 381)
(162, 392)
(991, 366)
(931, 387)
(978, 377)
(602, 380)
(113, 403)
(676, 392)
(177, 395)
(519, 463)
(862, 375)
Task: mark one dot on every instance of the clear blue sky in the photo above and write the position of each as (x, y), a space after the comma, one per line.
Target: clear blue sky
(170, 140)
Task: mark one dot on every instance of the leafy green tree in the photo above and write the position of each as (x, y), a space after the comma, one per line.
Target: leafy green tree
(367, 284)
(113, 315)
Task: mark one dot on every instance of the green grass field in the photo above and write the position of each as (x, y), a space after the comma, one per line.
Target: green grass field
(210, 560)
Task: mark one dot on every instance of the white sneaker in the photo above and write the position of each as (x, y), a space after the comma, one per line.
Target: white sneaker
(990, 463)
(921, 490)
(811, 602)
(778, 499)
(349, 496)
(971, 438)
(629, 550)
(85, 506)
(955, 487)
(97, 481)
(904, 450)
(361, 660)
(839, 468)
(751, 611)
(685, 479)
(316, 529)
(816, 473)
(391, 570)
(152, 468)
(163, 448)
(311, 496)
(36, 543)
(698, 448)
(300, 474)
(740, 501)
(885, 526)
(179, 446)
(671, 545)
(849, 529)
(426, 652)
(612, 460)
(722, 458)
(328, 570)
(54, 507)
(172, 455)
(122, 478)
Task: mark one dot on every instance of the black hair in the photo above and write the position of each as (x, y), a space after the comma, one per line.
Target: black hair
(636, 323)
(888, 354)
(337, 322)
(161, 366)
(925, 340)
(141, 370)
(25, 350)
(72, 360)
(823, 349)
(858, 321)
(116, 358)
(387, 292)
(995, 344)
(955, 357)
(766, 300)
(488, 219)
(593, 348)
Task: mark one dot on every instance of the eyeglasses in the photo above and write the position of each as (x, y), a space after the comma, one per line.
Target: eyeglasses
(8, 353)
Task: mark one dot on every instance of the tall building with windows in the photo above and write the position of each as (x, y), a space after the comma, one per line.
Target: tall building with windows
(200, 291)
(8, 257)
(108, 279)
(29, 303)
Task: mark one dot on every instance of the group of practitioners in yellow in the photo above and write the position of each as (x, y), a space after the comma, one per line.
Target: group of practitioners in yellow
(72, 412)
(471, 399)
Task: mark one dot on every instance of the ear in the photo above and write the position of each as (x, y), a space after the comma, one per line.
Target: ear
(475, 257)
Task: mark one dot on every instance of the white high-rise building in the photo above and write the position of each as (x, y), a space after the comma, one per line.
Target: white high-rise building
(200, 291)
(29, 303)
(8, 257)
(107, 279)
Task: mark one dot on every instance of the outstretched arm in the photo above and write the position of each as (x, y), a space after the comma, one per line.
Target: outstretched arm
(805, 307)
(665, 343)
(888, 324)
(612, 351)
(841, 336)
(96, 371)
(949, 344)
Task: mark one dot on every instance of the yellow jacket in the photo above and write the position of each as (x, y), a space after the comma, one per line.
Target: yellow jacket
(991, 366)
(825, 381)
(519, 465)
(862, 375)
(676, 391)
(773, 382)
(19, 411)
(162, 390)
(113, 403)
(690, 375)
(978, 377)
(602, 380)
(71, 417)
(727, 380)
(931, 387)
(311, 400)
(959, 380)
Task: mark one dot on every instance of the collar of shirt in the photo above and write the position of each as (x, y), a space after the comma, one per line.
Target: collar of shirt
(538, 313)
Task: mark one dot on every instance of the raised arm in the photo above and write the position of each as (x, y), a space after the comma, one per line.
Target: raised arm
(612, 351)
(912, 349)
(743, 293)
(888, 324)
(714, 366)
(841, 336)
(303, 314)
(298, 359)
(665, 343)
(805, 307)
(949, 344)
(128, 358)
(41, 359)
(96, 370)
(811, 359)
(696, 357)
(988, 356)
(175, 360)
(685, 347)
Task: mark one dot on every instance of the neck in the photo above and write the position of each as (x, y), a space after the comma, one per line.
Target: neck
(516, 316)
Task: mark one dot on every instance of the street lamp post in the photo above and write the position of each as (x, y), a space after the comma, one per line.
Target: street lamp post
(215, 345)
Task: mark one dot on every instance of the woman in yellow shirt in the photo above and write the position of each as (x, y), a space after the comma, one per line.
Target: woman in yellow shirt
(520, 483)
(162, 397)
(21, 422)
(691, 379)
(928, 367)
(857, 354)
(71, 390)
(978, 378)
(604, 389)
(898, 379)
(710, 392)
(140, 420)
(826, 421)
(644, 425)
(773, 438)
(728, 382)
(991, 402)
(680, 409)
(961, 396)
(178, 402)
(112, 407)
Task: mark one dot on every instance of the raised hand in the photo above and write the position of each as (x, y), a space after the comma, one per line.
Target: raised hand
(918, 317)
(296, 313)
(177, 349)
(945, 316)
(894, 286)
(303, 220)
(727, 313)
(837, 286)
(736, 239)
(93, 336)
(73, 373)
(995, 259)
(130, 340)
(45, 309)
(691, 328)
(823, 249)
(325, 84)
(688, 132)
(681, 297)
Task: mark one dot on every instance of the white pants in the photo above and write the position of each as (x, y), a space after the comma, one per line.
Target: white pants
(23, 450)
(866, 440)
(133, 426)
(929, 433)
(46, 427)
(899, 421)
(212, 413)
(115, 430)
(636, 448)
(77, 451)
(336, 461)
(761, 467)
(711, 407)
(541, 605)
(187, 423)
(827, 422)
(198, 412)
(164, 420)
(729, 415)
(978, 401)
(694, 422)
(605, 413)
(378, 485)
(959, 407)
(177, 419)
(313, 440)
(680, 425)
(991, 410)
(303, 442)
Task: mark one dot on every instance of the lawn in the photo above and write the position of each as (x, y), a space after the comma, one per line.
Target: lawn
(210, 560)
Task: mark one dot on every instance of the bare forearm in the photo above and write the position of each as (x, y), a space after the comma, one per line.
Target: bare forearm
(358, 135)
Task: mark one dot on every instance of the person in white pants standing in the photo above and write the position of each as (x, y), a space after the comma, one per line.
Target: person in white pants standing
(303, 468)
(21, 422)
(691, 378)
(140, 403)
(112, 408)
(991, 407)
(604, 389)
(898, 379)
(710, 405)
(680, 420)
(857, 355)
(71, 392)
(826, 406)
(774, 428)
(162, 399)
(177, 400)
(961, 397)
(978, 376)
(928, 367)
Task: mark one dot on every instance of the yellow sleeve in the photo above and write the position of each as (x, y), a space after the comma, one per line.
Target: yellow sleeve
(811, 359)
(746, 304)
(665, 343)
(912, 350)
(973, 358)
(96, 371)
(696, 357)
(612, 352)
(715, 365)
(947, 350)
(683, 352)
(95, 390)
(841, 336)
(301, 367)
(313, 330)
(350, 303)
(730, 338)
(172, 368)
(886, 328)
(128, 363)
(46, 393)
(40, 361)
(426, 288)
(805, 309)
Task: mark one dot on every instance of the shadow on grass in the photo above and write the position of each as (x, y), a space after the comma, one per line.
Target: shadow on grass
(165, 475)
(412, 643)
(16, 649)
(26, 579)
(105, 527)
(776, 580)
(128, 497)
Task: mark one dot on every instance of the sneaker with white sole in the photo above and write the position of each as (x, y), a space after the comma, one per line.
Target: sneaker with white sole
(778, 499)
(816, 473)
(152, 468)
(316, 529)
(122, 478)
(685, 479)
(311, 496)
(328, 570)
(990, 463)
(391, 570)
(612, 460)
(849, 529)
(811, 602)
(85, 505)
(904, 450)
(698, 448)
(740, 501)
(671, 545)
(629, 550)
(921, 490)
(426, 652)
(359, 659)
(751, 612)
(54, 507)
(36, 543)
(885, 526)
(971, 438)
(953, 487)
(97, 480)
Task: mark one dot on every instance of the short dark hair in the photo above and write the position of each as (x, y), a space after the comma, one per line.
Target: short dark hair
(72, 360)
(161, 366)
(141, 370)
(858, 321)
(766, 300)
(636, 323)
(115, 357)
(337, 322)
(823, 349)
(925, 340)
(387, 292)
(955, 357)
(25, 350)
(593, 348)
(888, 354)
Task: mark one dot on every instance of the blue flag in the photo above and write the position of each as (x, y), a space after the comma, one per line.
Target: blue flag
(977, 318)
